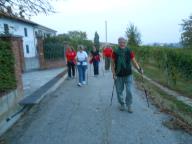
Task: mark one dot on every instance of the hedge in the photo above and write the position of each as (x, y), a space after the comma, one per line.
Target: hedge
(173, 61)
(7, 72)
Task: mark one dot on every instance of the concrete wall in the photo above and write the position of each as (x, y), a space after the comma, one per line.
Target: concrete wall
(9, 102)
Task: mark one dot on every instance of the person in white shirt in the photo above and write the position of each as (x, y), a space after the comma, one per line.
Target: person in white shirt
(82, 60)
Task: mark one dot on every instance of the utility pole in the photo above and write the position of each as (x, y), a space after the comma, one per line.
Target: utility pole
(106, 31)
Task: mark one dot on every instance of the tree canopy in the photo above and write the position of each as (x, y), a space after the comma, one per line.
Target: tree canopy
(186, 35)
(96, 41)
(133, 35)
(23, 8)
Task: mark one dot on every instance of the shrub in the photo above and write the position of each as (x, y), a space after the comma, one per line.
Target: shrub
(7, 72)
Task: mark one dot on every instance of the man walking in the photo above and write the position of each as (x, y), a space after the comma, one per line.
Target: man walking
(122, 73)
(107, 53)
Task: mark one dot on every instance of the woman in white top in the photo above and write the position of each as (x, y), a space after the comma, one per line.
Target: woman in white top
(82, 60)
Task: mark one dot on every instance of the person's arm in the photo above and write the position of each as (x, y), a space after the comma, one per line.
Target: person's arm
(76, 57)
(136, 65)
(113, 65)
(90, 56)
(66, 58)
(86, 57)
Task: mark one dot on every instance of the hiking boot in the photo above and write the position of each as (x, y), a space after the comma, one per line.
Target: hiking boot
(122, 108)
(129, 109)
(84, 82)
(79, 84)
(68, 78)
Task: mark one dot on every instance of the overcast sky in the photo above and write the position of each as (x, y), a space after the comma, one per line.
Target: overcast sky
(157, 20)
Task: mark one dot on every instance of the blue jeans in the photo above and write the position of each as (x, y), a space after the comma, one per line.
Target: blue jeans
(81, 70)
(120, 83)
(96, 67)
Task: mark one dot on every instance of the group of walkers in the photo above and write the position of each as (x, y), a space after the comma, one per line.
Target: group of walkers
(120, 59)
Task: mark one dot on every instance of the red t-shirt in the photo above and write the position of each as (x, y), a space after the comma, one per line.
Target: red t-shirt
(107, 52)
(132, 55)
(70, 55)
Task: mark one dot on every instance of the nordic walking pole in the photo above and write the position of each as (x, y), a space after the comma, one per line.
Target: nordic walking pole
(112, 93)
(87, 75)
(76, 74)
(145, 90)
(90, 69)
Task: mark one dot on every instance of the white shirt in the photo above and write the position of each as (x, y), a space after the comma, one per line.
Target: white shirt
(82, 57)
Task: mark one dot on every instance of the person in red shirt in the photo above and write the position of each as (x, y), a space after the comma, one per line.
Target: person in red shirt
(122, 60)
(70, 57)
(107, 53)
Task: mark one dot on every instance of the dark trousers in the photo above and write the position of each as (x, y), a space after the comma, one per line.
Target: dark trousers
(107, 63)
(71, 68)
(96, 67)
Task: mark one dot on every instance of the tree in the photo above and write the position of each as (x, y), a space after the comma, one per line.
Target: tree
(96, 40)
(186, 35)
(21, 8)
(133, 35)
(77, 35)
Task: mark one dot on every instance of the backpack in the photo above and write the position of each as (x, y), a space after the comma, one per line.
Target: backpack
(123, 62)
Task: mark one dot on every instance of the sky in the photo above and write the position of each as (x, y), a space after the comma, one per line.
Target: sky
(157, 20)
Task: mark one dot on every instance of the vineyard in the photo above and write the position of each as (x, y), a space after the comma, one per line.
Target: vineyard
(170, 67)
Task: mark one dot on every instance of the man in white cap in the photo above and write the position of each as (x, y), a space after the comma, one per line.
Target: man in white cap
(122, 73)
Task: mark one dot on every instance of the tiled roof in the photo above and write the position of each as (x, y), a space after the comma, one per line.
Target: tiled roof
(5, 15)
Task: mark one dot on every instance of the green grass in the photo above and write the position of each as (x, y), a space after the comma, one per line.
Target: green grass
(167, 102)
(182, 86)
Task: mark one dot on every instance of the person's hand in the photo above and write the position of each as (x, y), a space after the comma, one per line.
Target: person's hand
(114, 76)
(140, 70)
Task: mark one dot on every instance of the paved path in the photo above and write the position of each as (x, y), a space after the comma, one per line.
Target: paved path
(74, 115)
(35, 79)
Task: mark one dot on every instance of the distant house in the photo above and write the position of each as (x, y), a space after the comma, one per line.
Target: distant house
(27, 29)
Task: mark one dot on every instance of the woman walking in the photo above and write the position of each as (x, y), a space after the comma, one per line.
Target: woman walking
(82, 59)
(70, 56)
(95, 59)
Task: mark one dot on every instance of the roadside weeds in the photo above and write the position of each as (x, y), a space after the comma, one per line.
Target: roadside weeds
(182, 113)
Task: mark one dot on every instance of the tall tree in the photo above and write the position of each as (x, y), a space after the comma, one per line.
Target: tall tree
(186, 35)
(133, 35)
(25, 7)
(96, 41)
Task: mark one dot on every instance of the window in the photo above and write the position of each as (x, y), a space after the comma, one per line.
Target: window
(36, 34)
(27, 49)
(25, 31)
(6, 29)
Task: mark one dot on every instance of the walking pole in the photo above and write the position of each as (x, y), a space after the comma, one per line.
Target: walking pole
(87, 75)
(76, 74)
(112, 93)
(145, 90)
(90, 68)
(103, 70)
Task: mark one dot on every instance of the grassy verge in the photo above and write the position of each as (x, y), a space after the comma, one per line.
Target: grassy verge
(169, 104)
(182, 86)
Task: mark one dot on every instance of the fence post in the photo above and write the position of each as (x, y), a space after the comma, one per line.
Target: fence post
(41, 53)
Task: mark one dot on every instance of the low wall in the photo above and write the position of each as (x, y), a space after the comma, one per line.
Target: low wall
(9, 106)
(9, 101)
(54, 64)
